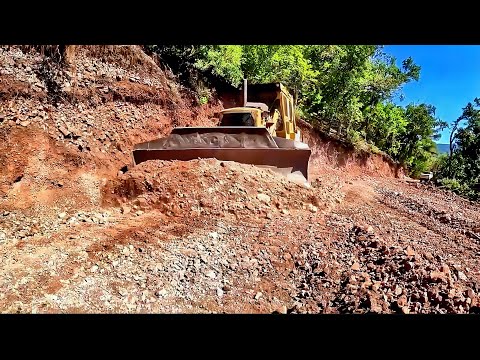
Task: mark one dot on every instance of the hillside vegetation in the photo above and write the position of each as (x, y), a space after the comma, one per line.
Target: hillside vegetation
(345, 90)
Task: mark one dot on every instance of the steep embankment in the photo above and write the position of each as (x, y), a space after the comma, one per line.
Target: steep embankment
(329, 154)
(67, 127)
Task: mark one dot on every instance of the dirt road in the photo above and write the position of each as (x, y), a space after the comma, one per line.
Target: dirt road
(225, 237)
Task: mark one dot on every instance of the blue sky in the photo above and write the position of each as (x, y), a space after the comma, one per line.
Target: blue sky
(449, 78)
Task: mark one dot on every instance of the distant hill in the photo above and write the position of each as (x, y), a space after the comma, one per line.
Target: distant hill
(443, 148)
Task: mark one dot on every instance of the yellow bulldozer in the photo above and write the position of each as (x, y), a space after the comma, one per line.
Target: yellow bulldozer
(262, 132)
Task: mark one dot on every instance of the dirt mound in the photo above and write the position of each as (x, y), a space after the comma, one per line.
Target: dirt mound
(212, 187)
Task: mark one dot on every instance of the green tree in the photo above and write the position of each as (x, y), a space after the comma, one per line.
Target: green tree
(418, 148)
(221, 60)
(463, 163)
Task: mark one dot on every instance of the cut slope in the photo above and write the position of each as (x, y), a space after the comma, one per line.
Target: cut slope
(329, 153)
(79, 119)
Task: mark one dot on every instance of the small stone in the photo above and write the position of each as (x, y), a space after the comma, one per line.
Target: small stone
(376, 285)
(410, 251)
(264, 198)
(445, 269)
(2, 236)
(161, 293)
(219, 292)
(139, 212)
(142, 202)
(437, 275)
(405, 310)
(470, 293)
(211, 274)
(282, 309)
(25, 123)
(213, 235)
(62, 215)
(370, 229)
(429, 256)
(63, 130)
(462, 276)
(94, 268)
(226, 288)
(285, 212)
(258, 295)
(398, 290)
(312, 208)
(126, 209)
(355, 266)
(402, 301)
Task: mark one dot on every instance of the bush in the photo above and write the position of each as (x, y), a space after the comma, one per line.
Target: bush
(356, 139)
(457, 187)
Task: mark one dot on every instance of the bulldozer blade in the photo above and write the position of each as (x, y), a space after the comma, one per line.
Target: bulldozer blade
(292, 159)
(243, 144)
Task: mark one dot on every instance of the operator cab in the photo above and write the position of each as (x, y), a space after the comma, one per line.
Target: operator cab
(237, 119)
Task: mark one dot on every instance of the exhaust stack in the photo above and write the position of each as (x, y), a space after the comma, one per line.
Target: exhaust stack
(244, 92)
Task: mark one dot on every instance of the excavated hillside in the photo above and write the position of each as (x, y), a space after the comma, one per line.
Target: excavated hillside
(82, 231)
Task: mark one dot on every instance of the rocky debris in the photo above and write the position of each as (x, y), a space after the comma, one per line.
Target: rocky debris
(22, 227)
(374, 274)
(148, 187)
(442, 218)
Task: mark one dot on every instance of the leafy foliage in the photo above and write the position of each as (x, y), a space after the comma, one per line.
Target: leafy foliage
(221, 60)
(461, 169)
